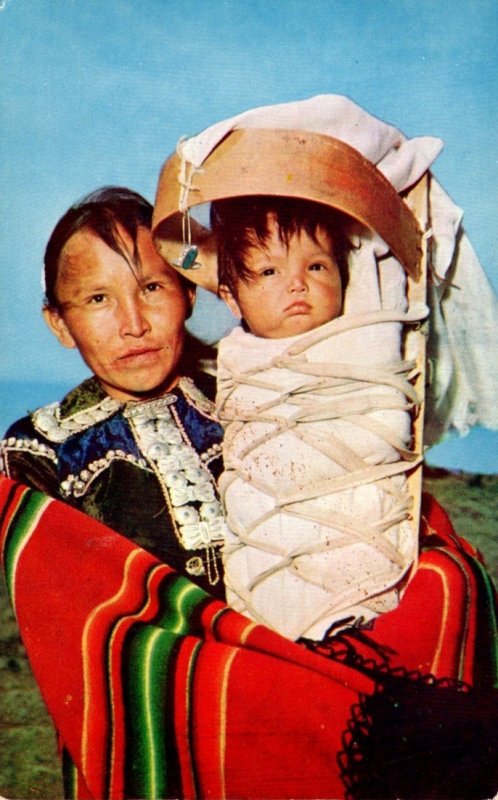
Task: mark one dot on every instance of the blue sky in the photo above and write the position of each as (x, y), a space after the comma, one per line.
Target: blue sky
(96, 93)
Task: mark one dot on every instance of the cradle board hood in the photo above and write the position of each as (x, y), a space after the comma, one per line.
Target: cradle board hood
(325, 149)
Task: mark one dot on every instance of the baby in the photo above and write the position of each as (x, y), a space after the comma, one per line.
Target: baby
(282, 263)
(316, 504)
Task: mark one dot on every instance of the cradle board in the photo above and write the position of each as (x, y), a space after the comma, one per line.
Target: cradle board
(416, 339)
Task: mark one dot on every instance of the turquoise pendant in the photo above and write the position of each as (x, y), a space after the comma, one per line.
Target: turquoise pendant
(188, 259)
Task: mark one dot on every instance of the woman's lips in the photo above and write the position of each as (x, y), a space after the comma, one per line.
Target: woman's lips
(141, 355)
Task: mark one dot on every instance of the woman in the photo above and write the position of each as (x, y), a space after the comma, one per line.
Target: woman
(136, 445)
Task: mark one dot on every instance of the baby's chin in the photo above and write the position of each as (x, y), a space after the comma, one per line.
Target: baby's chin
(296, 324)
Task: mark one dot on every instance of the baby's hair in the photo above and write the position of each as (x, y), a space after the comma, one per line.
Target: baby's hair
(241, 222)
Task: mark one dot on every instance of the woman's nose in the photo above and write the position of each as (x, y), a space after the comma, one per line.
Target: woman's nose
(133, 320)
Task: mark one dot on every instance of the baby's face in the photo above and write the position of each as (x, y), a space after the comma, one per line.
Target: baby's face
(291, 289)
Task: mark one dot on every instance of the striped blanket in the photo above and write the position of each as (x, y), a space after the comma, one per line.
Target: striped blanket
(158, 691)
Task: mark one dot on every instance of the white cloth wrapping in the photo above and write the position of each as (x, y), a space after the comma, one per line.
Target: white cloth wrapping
(302, 563)
(463, 330)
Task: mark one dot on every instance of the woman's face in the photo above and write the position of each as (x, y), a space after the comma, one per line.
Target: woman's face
(126, 321)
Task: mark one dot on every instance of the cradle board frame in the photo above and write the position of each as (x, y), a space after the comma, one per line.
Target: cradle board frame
(416, 340)
(287, 163)
(305, 165)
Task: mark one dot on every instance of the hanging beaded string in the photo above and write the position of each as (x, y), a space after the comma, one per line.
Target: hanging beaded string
(188, 257)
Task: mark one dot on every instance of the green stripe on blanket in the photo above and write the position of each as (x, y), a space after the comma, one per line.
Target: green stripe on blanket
(28, 510)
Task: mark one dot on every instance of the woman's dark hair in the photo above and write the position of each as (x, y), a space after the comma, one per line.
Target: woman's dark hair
(238, 223)
(101, 212)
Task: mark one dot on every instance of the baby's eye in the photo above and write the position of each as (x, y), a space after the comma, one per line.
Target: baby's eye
(268, 271)
(316, 267)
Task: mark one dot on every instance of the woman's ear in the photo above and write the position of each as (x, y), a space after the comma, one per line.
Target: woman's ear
(55, 322)
(191, 293)
(226, 295)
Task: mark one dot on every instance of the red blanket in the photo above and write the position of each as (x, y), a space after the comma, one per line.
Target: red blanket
(156, 690)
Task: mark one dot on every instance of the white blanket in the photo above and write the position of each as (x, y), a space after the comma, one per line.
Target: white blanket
(317, 439)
